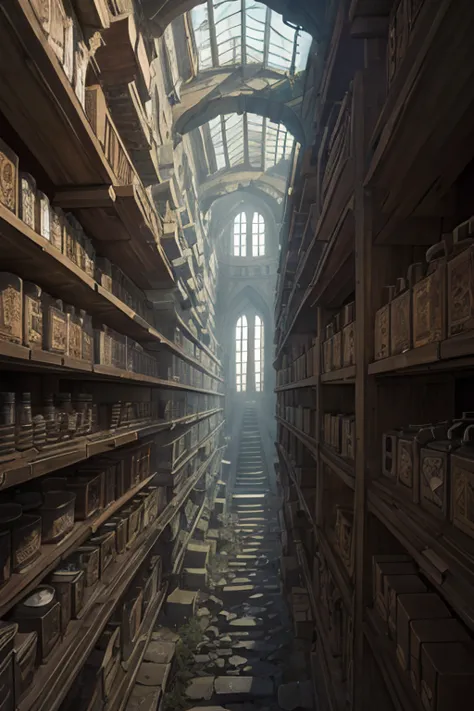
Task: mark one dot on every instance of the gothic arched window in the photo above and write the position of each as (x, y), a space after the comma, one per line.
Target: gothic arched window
(241, 354)
(258, 354)
(240, 235)
(249, 234)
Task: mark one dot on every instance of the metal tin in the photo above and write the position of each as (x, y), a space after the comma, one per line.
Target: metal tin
(57, 514)
(26, 542)
(40, 613)
(88, 493)
(71, 575)
(88, 558)
(107, 549)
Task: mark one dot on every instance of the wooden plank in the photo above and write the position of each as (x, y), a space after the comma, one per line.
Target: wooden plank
(307, 383)
(40, 103)
(343, 376)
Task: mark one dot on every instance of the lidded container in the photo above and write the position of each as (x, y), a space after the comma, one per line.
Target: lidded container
(11, 307)
(24, 423)
(54, 325)
(32, 316)
(27, 202)
(74, 333)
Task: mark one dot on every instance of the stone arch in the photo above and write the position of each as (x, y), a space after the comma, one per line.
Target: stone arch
(276, 111)
(252, 181)
(310, 17)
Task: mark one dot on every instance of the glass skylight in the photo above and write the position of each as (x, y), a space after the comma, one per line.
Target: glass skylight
(233, 32)
(247, 139)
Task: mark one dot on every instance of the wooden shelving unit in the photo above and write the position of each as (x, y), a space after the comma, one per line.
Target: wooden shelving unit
(131, 400)
(375, 203)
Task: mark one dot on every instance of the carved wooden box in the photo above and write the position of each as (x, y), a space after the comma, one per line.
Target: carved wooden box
(57, 229)
(400, 320)
(27, 202)
(8, 178)
(74, 333)
(460, 292)
(382, 333)
(383, 565)
(429, 308)
(408, 464)
(336, 351)
(54, 325)
(395, 585)
(447, 676)
(43, 218)
(462, 490)
(427, 632)
(11, 308)
(32, 316)
(434, 472)
(343, 533)
(348, 436)
(410, 607)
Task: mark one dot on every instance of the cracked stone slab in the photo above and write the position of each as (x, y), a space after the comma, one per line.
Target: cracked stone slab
(151, 674)
(144, 698)
(237, 661)
(160, 652)
(200, 688)
(243, 686)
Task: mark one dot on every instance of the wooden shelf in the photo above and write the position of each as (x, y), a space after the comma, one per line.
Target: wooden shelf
(453, 354)
(23, 469)
(339, 571)
(20, 584)
(125, 680)
(306, 383)
(28, 254)
(384, 651)
(411, 128)
(39, 101)
(344, 376)
(53, 679)
(310, 443)
(16, 357)
(445, 556)
(327, 662)
(344, 468)
(177, 565)
(122, 221)
(196, 449)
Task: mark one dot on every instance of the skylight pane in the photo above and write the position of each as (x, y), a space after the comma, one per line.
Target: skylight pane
(200, 22)
(215, 128)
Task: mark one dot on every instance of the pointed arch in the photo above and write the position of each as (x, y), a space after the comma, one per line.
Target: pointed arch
(241, 354)
(259, 353)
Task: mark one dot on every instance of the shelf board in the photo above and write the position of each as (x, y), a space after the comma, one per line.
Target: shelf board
(24, 469)
(196, 449)
(329, 666)
(411, 128)
(16, 357)
(445, 555)
(343, 376)
(176, 569)
(28, 254)
(121, 220)
(344, 468)
(125, 680)
(310, 443)
(339, 571)
(306, 383)
(39, 101)
(20, 584)
(452, 354)
(384, 651)
(53, 679)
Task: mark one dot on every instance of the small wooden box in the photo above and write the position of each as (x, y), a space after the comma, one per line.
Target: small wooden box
(389, 454)
(460, 292)
(57, 229)
(348, 437)
(11, 307)
(43, 218)
(408, 464)
(447, 676)
(27, 204)
(75, 581)
(429, 307)
(88, 558)
(105, 542)
(9, 177)
(382, 328)
(434, 472)
(54, 325)
(426, 632)
(89, 494)
(32, 316)
(337, 351)
(383, 565)
(343, 532)
(424, 606)
(400, 319)
(395, 585)
(462, 484)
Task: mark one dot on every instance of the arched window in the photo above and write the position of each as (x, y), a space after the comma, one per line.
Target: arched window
(258, 235)
(241, 354)
(258, 354)
(249, 234)
(240, 235)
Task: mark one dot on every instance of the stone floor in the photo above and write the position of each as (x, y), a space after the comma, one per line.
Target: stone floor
(247, 658)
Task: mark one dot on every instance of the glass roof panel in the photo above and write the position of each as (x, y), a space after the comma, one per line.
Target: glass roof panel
(232, 32)
(247, 139)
